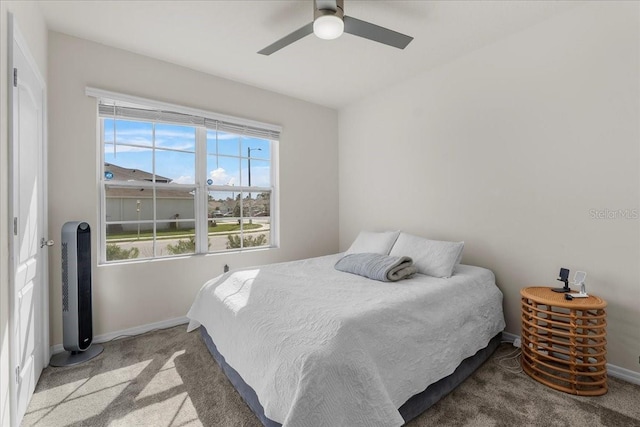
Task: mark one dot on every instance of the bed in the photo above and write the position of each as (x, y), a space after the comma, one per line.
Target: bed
(306, 345)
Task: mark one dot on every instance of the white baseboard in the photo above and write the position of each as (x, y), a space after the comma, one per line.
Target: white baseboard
(612, 370)
(137, 330)
(623, 374)
(506, 336)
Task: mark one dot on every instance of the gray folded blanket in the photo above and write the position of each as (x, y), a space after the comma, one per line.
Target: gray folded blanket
(378, 267)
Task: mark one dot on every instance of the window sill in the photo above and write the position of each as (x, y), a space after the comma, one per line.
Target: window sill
(181, 257)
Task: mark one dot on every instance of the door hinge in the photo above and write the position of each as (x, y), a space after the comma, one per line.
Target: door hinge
(17, 374)
(15, 225)
(15, 77)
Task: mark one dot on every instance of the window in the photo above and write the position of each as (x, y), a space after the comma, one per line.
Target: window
(178, 183)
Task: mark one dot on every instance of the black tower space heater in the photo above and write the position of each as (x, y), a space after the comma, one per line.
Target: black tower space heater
(77, 315)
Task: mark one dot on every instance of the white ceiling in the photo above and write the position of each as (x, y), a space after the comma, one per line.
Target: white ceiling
(222, 38)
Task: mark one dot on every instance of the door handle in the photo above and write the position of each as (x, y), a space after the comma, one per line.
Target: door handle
(44, 243)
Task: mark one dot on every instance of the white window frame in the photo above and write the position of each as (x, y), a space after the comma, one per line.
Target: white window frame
(201, 187)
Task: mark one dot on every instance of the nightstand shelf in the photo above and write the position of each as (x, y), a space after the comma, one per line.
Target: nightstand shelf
(564, 342)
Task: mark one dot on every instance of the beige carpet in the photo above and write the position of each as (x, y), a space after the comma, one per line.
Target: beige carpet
(168, 378)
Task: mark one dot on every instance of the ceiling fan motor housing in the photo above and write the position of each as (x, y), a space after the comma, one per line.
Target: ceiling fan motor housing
(324, 8)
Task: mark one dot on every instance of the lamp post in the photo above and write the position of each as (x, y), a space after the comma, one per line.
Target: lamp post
(249, 150)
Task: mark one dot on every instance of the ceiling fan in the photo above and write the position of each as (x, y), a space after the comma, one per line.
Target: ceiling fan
(329, 22)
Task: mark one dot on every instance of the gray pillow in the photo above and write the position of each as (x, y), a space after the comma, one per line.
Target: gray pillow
(373, 243)
(432, 257)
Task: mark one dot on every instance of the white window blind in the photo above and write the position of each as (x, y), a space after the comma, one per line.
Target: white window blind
(121, 112)
(117, 105)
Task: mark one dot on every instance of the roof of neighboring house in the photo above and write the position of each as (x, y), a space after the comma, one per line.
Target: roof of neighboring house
(147, 193)
(124, 174)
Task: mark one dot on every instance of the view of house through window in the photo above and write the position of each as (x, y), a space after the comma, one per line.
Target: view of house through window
(174, 189)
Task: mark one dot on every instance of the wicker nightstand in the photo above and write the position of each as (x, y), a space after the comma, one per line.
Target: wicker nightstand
(564, 342)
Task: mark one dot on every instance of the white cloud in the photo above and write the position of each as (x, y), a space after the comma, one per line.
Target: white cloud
(176, 139)
(182, 134)
(260, 176)
(211, 134)
(221, 177)
(108, 149)
(184, 179)
(176, 145)
(130, 136)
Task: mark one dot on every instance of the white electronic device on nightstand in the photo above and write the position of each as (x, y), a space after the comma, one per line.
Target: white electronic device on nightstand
(578, 280)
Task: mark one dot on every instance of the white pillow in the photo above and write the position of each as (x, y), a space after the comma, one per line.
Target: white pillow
(431, 257)
(372, 242)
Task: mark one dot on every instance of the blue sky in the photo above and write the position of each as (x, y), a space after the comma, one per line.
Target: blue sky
(134, 142)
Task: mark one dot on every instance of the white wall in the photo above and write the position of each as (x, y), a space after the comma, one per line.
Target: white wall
(32, 26)
(508, 149)
(140, 293)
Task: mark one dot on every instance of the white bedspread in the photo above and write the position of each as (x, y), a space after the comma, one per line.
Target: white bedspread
(326, 348)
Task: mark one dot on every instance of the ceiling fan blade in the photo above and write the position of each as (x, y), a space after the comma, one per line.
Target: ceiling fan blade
(375, 32)
(288, 39)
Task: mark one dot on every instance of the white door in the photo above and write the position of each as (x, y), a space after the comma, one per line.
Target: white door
(28, 266)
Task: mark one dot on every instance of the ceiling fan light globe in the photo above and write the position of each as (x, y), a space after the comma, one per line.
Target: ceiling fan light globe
(328, 27)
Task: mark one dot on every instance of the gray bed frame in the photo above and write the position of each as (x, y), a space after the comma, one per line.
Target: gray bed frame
(409, 410)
